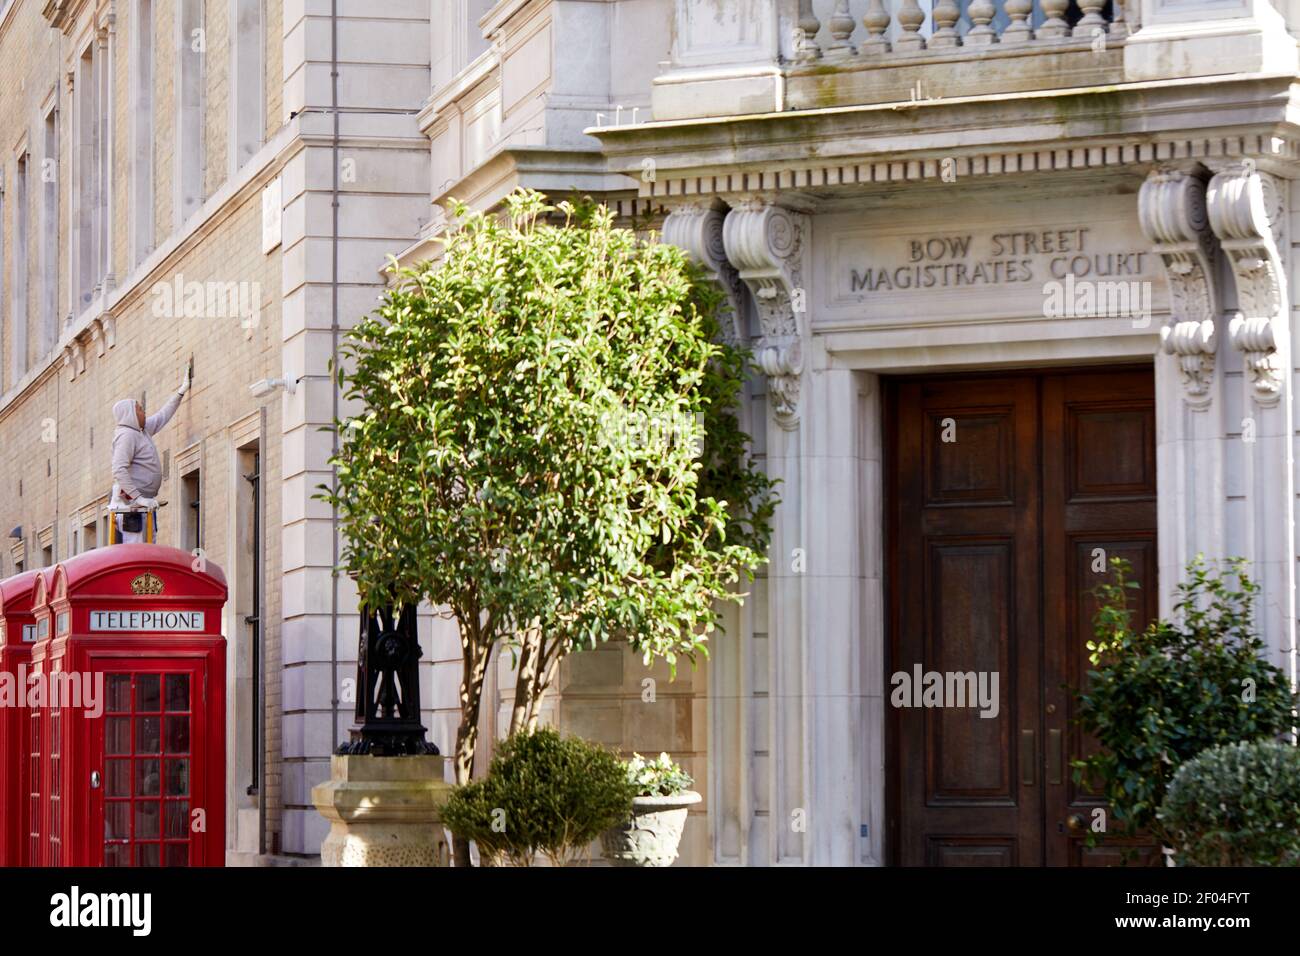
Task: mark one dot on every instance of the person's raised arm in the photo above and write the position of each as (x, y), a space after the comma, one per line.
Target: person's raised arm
(158, 419)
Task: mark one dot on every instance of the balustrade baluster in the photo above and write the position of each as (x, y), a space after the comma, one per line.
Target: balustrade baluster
(946, 14)
(876, 21)
(1054, 25)
(806, 48)
(981, 13)
(1018, 30)
(910, 17)
(841, 27)
(1092, 20)
(1120, 22)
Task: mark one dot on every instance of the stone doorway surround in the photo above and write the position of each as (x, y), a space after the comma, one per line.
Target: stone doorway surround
(797, 757)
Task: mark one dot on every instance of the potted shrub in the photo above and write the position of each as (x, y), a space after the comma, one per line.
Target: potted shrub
(1236, 805)
(650, 835)
(1159, 696)
(544, 794)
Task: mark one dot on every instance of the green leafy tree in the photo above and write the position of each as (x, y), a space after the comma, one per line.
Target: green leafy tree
(1159, 696)
(547, 446)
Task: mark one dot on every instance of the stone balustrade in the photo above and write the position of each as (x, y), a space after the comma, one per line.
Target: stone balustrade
(834, 32)
(736, 57)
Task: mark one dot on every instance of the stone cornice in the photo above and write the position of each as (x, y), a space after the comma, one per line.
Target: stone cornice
(554, 169)
(482, 68)
(63, 14)
(1041, 131)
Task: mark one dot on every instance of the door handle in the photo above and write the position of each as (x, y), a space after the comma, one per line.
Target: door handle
(94, 780)
(1055, 757)
(1075, 822)
(1028, 757)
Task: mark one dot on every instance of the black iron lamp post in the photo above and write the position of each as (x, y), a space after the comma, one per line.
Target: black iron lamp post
(387, 714)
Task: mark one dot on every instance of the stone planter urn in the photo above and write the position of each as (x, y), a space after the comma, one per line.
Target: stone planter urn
(651, 836)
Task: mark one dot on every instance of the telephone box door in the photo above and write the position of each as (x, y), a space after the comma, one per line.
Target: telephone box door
(148, 760)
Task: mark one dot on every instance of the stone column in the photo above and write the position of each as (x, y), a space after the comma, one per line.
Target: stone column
(767, 243)
(382, 168)
(697, 229)
(1190, 430)
(1246, 210)
(814, 582)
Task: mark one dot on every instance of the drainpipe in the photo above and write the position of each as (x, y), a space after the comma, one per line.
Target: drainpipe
(260, 686)
(334, 386)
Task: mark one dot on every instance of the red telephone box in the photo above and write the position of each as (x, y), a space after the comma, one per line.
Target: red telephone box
(17, 635)
(133, 764)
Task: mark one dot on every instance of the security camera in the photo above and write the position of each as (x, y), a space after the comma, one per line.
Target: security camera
(267, 386)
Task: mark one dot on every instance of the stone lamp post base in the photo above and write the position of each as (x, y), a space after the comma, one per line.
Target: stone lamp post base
(383, 811)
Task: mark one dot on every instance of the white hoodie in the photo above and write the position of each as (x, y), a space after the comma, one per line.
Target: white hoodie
(137, 470)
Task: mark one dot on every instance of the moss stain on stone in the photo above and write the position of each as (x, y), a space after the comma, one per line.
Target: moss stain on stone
(1099, 109)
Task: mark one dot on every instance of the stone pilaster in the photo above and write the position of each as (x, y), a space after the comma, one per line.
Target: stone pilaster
(1191, 439)
(1247, 213)
(382, 169)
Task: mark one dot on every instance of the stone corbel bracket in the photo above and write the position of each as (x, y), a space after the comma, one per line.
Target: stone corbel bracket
(697, 229)
(1245, 220)
(1173, 215)
(766, 244)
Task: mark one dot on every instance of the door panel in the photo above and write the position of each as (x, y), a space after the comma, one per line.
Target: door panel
(1099, 503)
(1005, 491)
(145, 745)
(972, 534)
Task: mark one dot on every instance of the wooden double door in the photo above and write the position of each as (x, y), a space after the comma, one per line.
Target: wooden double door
(1007, 496)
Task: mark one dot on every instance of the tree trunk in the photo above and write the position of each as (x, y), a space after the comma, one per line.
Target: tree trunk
(538, 666)
(475, 658)
(542, 680)
(530, 650)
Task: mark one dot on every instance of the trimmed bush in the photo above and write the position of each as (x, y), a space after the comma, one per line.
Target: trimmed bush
(1236, 805)
(543, 793)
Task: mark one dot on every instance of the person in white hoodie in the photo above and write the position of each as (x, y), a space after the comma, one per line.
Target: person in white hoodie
(137, 470)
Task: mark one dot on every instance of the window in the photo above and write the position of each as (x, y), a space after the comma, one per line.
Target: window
(142, 139)
(50, 231)
(247, 595)
(190, 46)
(3, 384)
(247, 70)
(86, 163)
(191, 512)
(89, 538)
(20, 265)
(103, 157)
